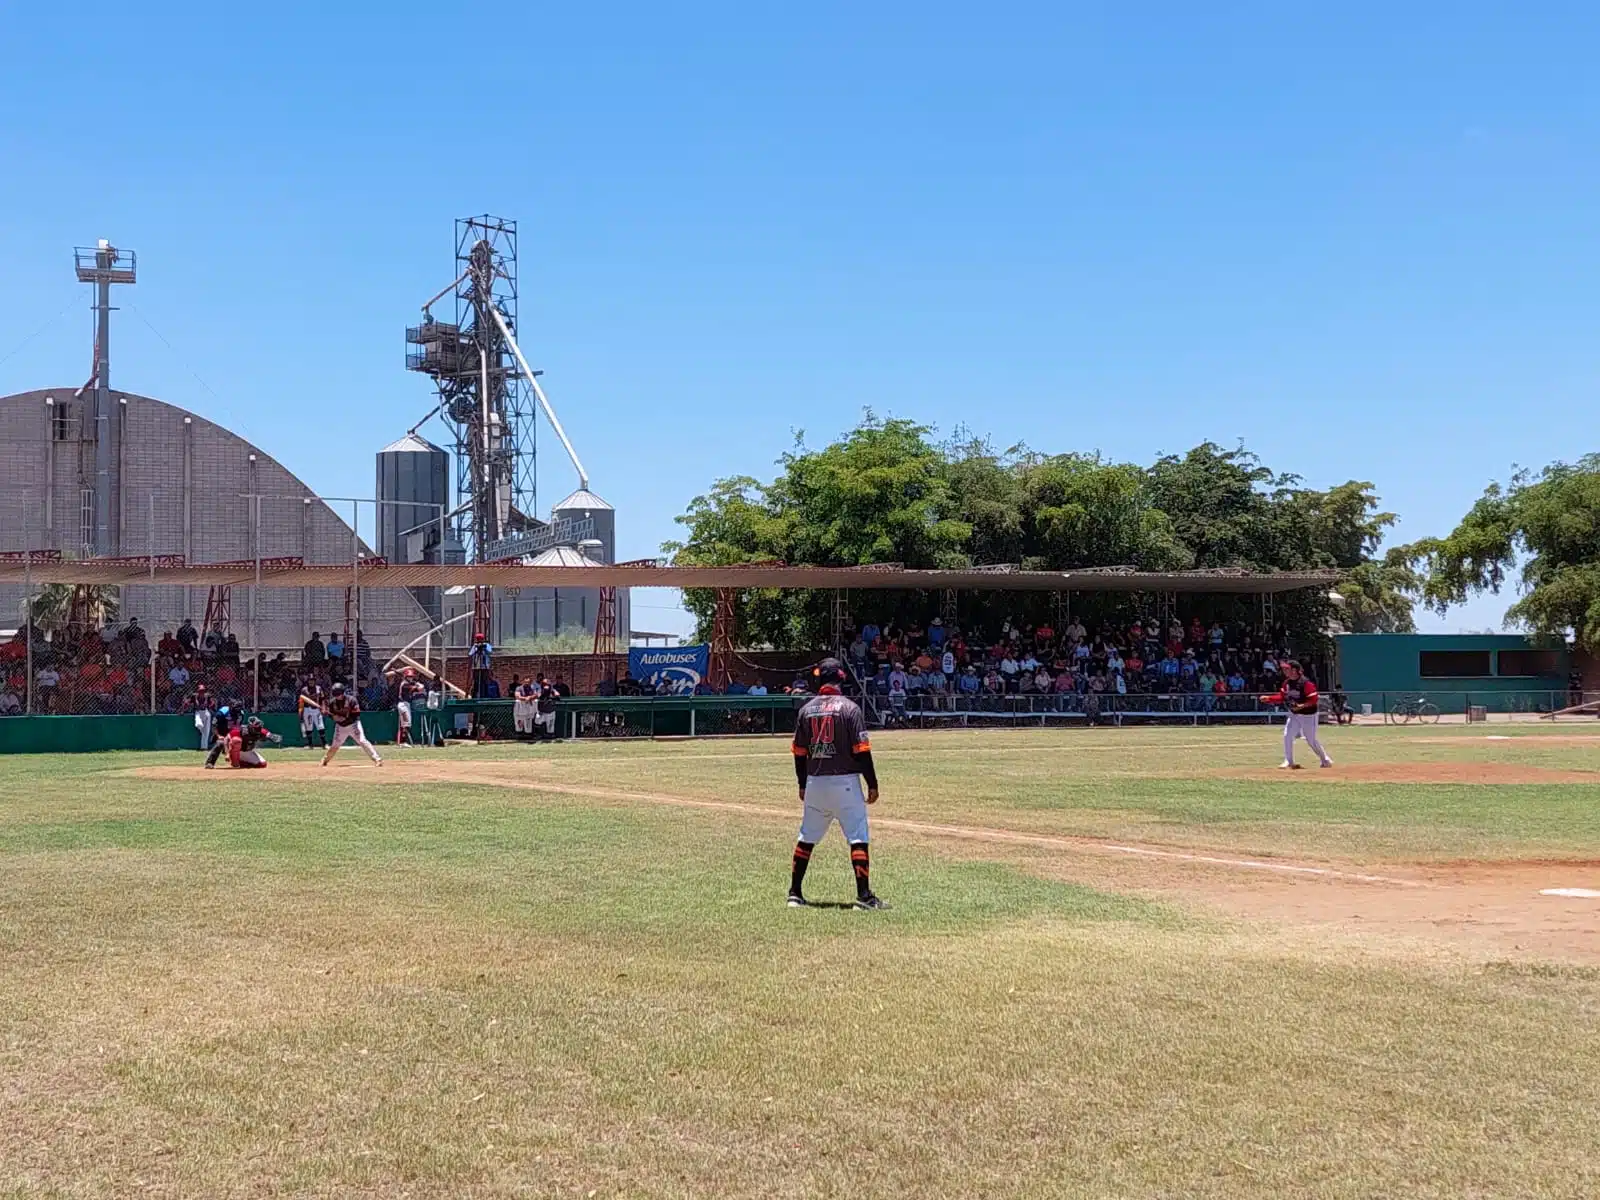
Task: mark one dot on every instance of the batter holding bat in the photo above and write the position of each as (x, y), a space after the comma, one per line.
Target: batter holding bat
(346, 714)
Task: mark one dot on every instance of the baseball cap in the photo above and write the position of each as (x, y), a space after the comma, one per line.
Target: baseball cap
(829, 670)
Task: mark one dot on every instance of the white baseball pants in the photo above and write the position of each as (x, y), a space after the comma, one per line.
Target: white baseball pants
(1302, 725)
(831, 798)
(352, 732)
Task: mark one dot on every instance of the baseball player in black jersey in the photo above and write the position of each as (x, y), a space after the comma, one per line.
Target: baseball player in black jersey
(831, 757)
(346, 713)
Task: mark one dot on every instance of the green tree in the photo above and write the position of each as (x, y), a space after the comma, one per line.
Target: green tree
(880, 495)
(1218, 503)
(52, 607)
(886, 493)
(1085, 512)
(1551, 523)
(1380, 594)
(986, 494)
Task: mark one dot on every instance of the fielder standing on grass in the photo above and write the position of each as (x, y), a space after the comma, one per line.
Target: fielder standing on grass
(831, 757)
(1300, 694)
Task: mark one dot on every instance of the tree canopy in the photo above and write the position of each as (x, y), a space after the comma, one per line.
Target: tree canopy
(1549, 523)
(887, 492)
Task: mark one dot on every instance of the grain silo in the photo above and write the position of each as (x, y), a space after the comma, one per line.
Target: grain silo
(413, 488)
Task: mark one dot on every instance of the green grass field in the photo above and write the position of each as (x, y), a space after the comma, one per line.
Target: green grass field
(1119, 963)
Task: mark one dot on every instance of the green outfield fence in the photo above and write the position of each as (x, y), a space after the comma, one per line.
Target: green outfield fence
(74, 735)
(587, 717)
(582, 717)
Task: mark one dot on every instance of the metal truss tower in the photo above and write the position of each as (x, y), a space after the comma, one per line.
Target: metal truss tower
(104, 265)
(485, 394)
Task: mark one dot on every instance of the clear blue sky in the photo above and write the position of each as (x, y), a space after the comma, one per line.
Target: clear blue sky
(1361, 239)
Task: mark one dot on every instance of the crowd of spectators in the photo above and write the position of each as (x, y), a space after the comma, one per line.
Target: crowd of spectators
(115, 669)
(1197, 666)
(901, 668)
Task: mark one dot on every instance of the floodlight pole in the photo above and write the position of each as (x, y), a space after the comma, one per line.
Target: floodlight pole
(151, 548)
(355, 584)
(255, 637)
(27, 588)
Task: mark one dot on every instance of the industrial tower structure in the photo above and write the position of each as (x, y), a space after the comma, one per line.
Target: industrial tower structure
(483, 395)
(487, 395)
(103, 265)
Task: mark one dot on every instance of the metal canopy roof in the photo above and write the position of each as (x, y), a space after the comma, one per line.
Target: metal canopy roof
(138, 571)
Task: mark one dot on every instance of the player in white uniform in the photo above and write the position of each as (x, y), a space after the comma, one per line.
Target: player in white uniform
(1300, 694)
(523, 698)
(831, 757)
(311, 701)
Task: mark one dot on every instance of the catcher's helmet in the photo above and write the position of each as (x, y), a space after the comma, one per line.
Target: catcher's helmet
(828, 671)
(255, 722)
(338, 689)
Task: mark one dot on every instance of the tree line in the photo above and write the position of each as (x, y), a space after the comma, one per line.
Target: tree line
(887, 491)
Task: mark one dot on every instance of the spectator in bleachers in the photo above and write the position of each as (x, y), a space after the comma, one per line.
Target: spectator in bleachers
(1008, 670)
(315, 653)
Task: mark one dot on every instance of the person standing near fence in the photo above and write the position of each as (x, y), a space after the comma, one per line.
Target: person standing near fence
(481, 659)
(410, 694)
(523, 706)
(310, 702)
(545, 709)
(1299, 692)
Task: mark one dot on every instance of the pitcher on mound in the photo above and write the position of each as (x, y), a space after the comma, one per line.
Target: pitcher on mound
(831, 757)
(1300, 694)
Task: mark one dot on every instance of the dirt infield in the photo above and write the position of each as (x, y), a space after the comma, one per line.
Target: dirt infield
(1489, 911)
(1495, 774)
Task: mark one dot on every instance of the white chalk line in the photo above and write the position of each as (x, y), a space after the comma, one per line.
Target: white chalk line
(964, 832)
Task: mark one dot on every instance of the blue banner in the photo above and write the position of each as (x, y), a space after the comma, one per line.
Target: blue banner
(684, 666)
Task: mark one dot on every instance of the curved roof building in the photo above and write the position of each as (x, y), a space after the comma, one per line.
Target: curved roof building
(180, 485)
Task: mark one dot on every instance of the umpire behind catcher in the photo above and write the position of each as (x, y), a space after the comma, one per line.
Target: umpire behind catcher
(831, 757)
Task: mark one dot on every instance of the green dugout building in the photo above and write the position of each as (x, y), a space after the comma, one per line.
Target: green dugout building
(1502, 672)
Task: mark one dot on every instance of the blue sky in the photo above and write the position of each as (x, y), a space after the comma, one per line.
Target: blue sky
(1361, 239)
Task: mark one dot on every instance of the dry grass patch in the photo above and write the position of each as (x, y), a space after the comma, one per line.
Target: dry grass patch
(434, 988)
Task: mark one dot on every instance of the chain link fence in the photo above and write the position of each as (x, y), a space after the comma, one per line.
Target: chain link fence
(151, 648)
(1010, 710)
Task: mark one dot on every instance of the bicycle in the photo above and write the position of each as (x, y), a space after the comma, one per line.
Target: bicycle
(1414, 708)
